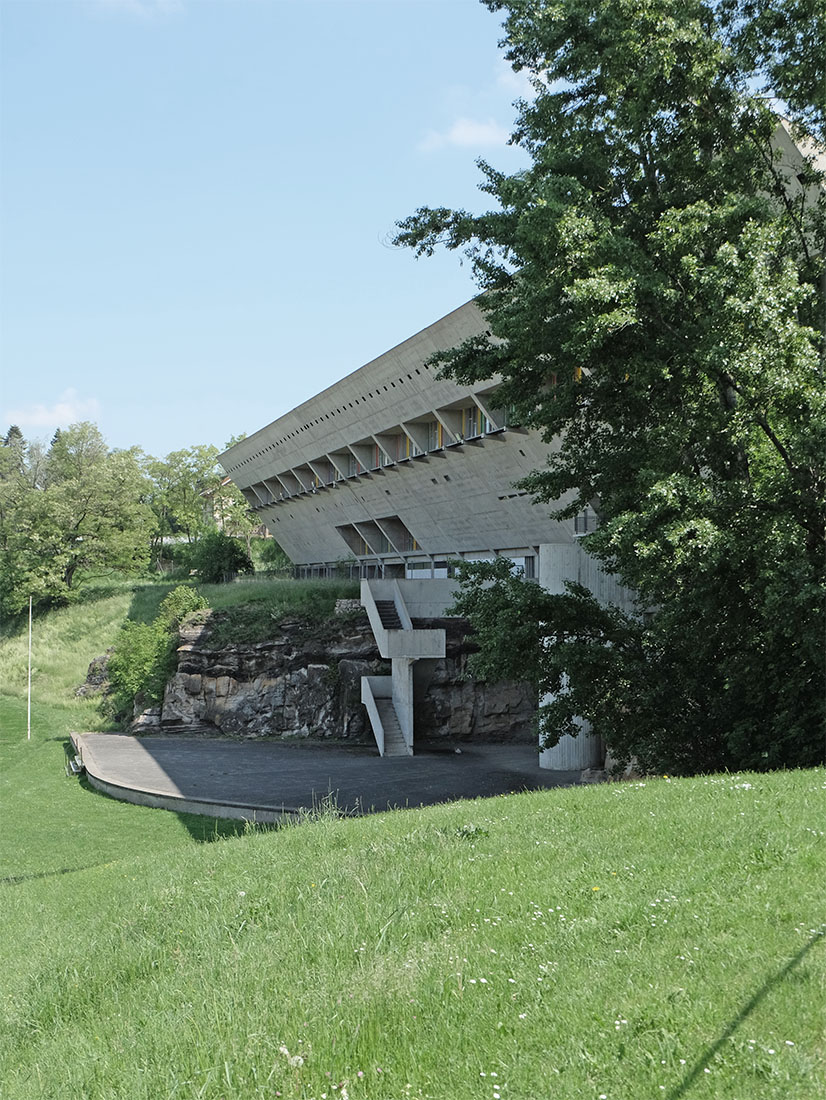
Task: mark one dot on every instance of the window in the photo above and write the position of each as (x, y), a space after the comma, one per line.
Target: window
(473, 422)
(585, 522)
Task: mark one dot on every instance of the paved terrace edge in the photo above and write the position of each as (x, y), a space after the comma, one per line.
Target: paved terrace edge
(155, 799)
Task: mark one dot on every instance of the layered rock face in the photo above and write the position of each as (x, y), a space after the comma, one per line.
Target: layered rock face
(305, 682)
(448, 706)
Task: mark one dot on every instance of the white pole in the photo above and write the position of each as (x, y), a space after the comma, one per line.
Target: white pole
(29, 714)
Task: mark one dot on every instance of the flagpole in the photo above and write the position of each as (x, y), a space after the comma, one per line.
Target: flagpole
(29, 713)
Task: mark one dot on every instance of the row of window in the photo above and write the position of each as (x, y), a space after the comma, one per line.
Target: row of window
(324, 416)
(411, 570)
(383, 449)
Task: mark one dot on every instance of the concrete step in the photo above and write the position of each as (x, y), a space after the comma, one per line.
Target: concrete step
(394, 743)
(388, 614)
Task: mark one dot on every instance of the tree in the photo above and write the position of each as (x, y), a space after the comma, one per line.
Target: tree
(78, 509)
(14, 438)
(219, 558)
(176, 497)
(230, 507)
(655, 285)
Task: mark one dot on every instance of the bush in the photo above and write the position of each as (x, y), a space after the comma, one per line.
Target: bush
(180, 602)
(139, 664)
(179, 554)
(143, 657)
(270, 556)
(219, 558)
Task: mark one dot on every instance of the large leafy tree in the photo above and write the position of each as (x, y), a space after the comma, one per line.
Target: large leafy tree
(78, 508)
(655, 285)
(190, 496)
(176, 497)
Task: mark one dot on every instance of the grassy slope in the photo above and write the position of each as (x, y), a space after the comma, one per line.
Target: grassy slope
(66, 640)
(615, 941)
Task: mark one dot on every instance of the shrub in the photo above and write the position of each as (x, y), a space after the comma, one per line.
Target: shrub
(219, 558)
(271, 557)
(143, 656)
(139, 664)
(180, 602)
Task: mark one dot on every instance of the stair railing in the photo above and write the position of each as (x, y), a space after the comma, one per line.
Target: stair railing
(369, 691)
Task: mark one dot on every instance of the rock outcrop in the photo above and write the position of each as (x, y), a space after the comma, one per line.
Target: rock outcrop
(97, 677)
(305, 683)
(449, 706)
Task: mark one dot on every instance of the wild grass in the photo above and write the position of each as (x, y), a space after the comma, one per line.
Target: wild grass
(318, 596)
(662, 938)
(67, 639)
(63, 644)
(252, 609)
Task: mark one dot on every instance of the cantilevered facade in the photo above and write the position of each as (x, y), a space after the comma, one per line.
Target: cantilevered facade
(396, 471)
(399, 469)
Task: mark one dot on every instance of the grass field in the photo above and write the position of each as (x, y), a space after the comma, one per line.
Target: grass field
(654, 939)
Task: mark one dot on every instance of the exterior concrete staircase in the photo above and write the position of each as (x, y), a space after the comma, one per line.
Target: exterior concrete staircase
(394, 744)
(389, 699)
(388, 614)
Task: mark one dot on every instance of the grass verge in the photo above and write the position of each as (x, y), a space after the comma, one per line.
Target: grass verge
(652, 939)
(637, 940)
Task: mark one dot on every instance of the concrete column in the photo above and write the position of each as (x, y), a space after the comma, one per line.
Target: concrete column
(558, 563)
(574, 753)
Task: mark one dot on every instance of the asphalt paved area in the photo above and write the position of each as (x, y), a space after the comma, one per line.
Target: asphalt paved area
(275, 777)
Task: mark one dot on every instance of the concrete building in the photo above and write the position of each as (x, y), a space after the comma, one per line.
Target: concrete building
(396, 471)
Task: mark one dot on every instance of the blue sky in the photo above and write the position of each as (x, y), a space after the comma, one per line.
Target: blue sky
(197, 198)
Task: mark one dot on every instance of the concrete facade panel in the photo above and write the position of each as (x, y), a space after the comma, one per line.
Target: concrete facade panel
(310, 475)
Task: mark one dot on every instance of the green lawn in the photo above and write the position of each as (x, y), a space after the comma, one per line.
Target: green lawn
(626, 941)
(635, 940)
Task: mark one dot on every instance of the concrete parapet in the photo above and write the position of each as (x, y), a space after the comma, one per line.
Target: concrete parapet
(372, 689)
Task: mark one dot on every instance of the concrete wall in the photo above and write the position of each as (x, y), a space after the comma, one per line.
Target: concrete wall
(427, 599)
(560, 562)
(457, 499)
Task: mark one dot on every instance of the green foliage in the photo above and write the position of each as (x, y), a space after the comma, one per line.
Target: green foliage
(655, 285)
(782, 47)
(78, 509)
(143, 657)
(140, 664)
(180, 602)
(271, 557)
(176, 495)
(506, 615)
(72, 512)
(232, 512)
(219, 558)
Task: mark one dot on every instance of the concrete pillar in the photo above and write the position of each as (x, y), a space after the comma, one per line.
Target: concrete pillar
(558, 563)
(574, 753)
